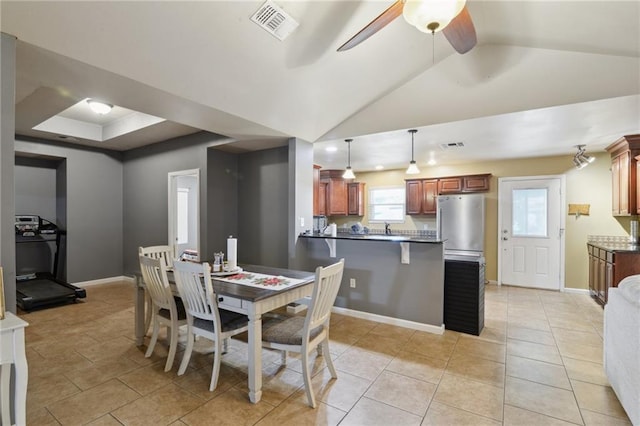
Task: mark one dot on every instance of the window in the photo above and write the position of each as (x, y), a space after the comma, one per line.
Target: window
(386, 204)
(183, 215)
(529, 214)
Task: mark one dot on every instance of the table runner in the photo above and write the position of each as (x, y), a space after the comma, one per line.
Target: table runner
(254, 279)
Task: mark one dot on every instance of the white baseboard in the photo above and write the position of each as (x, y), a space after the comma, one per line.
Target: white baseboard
(576, 290)
(389, 320)
(493, 282)
(101, 281)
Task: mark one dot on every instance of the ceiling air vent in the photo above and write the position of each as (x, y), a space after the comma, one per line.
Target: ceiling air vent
(274, 20)
(452, 145)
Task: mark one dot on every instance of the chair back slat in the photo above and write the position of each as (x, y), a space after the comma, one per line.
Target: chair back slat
(325, 290)
(154, 274)
(196, 290)
(164, 253)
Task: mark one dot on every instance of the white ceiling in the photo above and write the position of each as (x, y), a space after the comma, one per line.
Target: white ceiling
(545, 75)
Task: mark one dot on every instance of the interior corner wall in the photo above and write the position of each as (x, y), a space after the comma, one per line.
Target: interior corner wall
(263, 207)
(93, 207)
(146, 202)
(222, 200)
(7, 131)
(300, 194)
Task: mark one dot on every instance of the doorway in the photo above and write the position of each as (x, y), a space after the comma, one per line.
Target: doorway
(184, 211)
(531, 226)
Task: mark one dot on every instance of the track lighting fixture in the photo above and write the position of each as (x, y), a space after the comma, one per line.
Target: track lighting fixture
(581, 159)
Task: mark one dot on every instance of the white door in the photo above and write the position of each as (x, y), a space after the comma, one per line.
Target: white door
(184, 216)
(531, 232)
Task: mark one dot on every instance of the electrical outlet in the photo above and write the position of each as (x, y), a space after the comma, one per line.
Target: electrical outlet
(352, 283)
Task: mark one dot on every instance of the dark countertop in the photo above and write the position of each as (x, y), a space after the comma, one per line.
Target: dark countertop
(376, 237)
(615, 246)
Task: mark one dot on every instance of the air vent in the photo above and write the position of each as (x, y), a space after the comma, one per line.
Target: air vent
(271, 18)
(452, 145)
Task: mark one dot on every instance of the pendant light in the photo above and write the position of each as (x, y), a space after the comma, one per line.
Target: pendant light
(348, 173)
(413, 167)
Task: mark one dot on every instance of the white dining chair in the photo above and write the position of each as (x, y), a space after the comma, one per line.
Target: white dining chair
(166, 309)
(304, 334)
(203, 316)
(165, 254)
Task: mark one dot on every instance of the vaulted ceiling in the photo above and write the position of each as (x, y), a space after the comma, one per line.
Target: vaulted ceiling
(545, 76)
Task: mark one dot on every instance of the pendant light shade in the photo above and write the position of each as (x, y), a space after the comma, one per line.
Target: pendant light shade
(413, 167)
(348, 173)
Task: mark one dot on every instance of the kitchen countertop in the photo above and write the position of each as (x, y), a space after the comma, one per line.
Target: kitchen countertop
(376, 237)
(615, 246)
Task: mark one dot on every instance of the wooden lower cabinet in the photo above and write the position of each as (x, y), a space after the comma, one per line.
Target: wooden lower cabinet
(607, 267)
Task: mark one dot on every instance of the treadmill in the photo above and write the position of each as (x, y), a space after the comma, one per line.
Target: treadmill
(42, 289)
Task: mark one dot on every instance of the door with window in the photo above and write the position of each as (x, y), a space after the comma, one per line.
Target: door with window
(184, 194)
(531, 227)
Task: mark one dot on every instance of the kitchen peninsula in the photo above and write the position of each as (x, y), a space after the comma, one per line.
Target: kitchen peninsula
(397, 277)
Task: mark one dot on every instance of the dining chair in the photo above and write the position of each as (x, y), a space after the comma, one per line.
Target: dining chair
(166, 309)
(164, 253)
(303, 334)
(203, 316)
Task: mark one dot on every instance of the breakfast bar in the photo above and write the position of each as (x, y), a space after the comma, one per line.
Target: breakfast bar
(391, 278)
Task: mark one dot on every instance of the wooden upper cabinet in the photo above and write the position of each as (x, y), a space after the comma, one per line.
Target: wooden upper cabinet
(355, 198)
(421, 195)
(464, 184)
(624, 175)
(316, 191)
(322, 199)
(638, 184)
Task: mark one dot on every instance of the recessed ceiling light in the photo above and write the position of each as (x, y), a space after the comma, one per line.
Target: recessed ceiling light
(379, 167)
(98, 107)
(331, 149)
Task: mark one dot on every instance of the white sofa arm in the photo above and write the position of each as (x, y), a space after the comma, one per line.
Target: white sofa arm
(622, 344)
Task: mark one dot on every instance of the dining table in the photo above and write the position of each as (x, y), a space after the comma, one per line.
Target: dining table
(251, 301)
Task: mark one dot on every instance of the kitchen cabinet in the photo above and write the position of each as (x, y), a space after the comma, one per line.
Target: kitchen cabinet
(463, 184)
(421, 196)
(624, 176)
(355, 198)
(341, 197)
(608, 265)
(316, 190)
(638, 184)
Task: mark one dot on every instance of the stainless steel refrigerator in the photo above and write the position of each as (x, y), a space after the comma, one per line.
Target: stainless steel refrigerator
(460, 220)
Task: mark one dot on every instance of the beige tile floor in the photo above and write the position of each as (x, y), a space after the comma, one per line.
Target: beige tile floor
(537, 362)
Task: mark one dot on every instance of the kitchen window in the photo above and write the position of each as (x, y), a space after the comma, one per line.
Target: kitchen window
(386, 204)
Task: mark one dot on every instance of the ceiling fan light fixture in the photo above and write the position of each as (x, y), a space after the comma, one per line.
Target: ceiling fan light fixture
(413, 167)
(431, 16)
(348, 173)
(99, 107)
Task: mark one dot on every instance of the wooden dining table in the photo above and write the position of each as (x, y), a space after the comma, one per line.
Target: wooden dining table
(248, 300)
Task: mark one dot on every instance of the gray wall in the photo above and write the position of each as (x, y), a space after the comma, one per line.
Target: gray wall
(222, 200)
(146, 201)
(7, 131)
(300, 194)
(93, 205)
(263, 207)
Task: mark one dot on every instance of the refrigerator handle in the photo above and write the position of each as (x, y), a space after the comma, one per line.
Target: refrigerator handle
(438, 222)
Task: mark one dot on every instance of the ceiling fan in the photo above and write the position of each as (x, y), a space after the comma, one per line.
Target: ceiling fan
(430, 16)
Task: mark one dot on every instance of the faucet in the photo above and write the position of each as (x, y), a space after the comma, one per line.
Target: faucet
(387, 228)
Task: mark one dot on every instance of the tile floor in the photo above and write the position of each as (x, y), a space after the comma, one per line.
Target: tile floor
(537, 362)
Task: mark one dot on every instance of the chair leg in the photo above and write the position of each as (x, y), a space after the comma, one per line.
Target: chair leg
(327, 357)
(186, 357)
(306, 373)
(173, 345)
(216, 365)
(283, 358)
(225, 348)
(154, 338)
(148, 309)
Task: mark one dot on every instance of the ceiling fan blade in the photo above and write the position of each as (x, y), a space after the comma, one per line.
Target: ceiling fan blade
(374, 26)
(460, 32)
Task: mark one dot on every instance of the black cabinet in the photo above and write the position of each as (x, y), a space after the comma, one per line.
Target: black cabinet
(464, 296)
